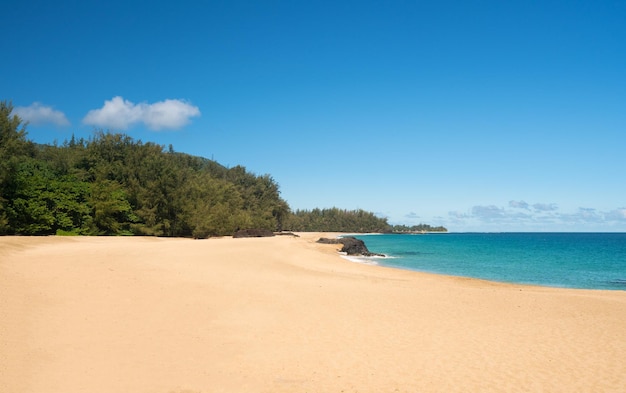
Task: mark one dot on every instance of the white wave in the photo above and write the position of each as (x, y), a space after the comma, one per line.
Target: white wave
(365, 260)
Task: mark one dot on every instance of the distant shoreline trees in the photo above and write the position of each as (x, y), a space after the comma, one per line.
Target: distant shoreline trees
(335, 220)
(356, 221)
(111, 184)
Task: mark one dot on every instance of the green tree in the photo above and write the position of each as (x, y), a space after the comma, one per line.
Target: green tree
(112, 213)
(112, 184)
(214, 207)
(13, 149)
(43, 203)
(335, 220)
(28, 209)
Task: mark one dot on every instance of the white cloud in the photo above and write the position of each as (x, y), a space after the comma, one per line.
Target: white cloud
(518, 204)
(488, 213)
(545, 207)
(617, 214)
(120, 114)
(457, 215)
(169, 114)
(537, 217)
(412, 216)
(588, 214)
(117, 113)
(39, 114)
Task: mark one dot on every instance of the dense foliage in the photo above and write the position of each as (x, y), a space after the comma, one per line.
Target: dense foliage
(336, 220)
(356, 221)
(112, 185)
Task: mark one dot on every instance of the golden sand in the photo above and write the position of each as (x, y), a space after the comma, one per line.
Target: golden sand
(284, 314)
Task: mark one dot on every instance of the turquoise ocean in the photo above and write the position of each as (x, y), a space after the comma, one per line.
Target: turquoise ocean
(570, 260)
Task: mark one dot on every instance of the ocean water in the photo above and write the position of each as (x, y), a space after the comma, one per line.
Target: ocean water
(571, 260)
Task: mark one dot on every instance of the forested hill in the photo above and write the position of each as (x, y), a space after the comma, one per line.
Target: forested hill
(112, 184)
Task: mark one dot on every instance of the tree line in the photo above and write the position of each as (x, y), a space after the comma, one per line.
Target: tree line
(336, 220)
(111, 184)
(357, 221)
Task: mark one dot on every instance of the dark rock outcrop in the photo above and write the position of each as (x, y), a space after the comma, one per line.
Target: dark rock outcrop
(253, 233)
(351, 246)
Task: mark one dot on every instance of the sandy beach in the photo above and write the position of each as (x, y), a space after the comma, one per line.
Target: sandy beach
(285, 314)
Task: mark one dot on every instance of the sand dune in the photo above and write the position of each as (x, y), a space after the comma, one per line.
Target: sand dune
(284, 314)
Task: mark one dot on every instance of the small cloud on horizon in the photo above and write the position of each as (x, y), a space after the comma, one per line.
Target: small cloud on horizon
(617, 214)
(411, 216)
(538, 215)
(121, 114)
(545, 207)
(518, 204)
(588, 214)
(457, 215)
(488, 213)
(39, 114)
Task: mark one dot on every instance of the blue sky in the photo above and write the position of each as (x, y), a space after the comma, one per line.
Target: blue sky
(475, 115)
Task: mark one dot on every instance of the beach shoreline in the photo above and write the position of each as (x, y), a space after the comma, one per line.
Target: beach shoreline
(286, 314)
